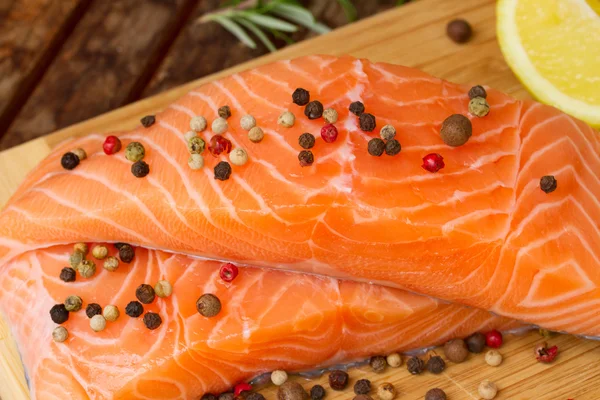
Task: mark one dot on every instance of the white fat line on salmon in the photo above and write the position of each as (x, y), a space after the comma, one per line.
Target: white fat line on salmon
(207, 99)
(284, 85)
(168, 127)
(183, 109)
(394, 79)
(240, 81)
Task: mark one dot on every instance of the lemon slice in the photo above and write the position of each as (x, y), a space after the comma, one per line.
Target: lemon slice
(553, 46)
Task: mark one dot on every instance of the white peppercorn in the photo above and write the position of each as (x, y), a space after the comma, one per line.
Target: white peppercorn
(60, 334)
(80, 153)
(97, 323)
(111, 313)
(198, 123)
(386, 391)
(99, 252)
(247, 122)
(286, 119)
(279, 377)
(330, 116)
(219, 125)
(111, 263)
(196, 161)
(487, 390)
(238, 156)
(189, 135)
(493, 358)
(394, 360)
(388, 132)
(256, 134)
(163, 289)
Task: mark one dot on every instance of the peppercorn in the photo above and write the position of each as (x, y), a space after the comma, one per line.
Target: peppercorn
(60, 334)
(126, 253)
(135, 151)
(76, 258)
(392, 147)
(238, 156)
(436, 365)
(134, 309)
(338, 380)
(456, 130)
(487, 390)
(118, 245)
(80, 153)
(477, 91)
(314, 110)
(291, 391)
(81, 247)
(99, 252)
(69, 161)
(148, 121)
(208, 396)
(67, 274)
(306, 140)
(198, 123)
(97, 323)
(476, 342)
(111, 313)
(357, 108)
(317, 392)
(367, 122)
(87, 268)
(545, 354)
(548, 184)
(386, 391)
(376, 147)
(93, 309)
(456, 350)
(163, 289)
(330, 116)
(459, 30)
(286, 119)
(493, 358)
(301, 96)
(362, 386)
(222, 171)
(388, 132)
(435, 394)
(111, 145)
(196, 161)
(247, 122)
(73, 303)
(255, 396)
(145, 293)
(493, 339)
(306, 158)
(378, 363)
(208, 305)
(189, 135)
(140, 169)
(226, 396)
(479, 107)
(152, 320)
(59, 314)
(241, 387)
(219, 125)
(111, 264)
(279, 377)
(415, 365)
(224, 112)
(256, 134)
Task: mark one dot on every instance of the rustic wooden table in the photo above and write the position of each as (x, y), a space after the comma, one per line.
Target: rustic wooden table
(66, 61)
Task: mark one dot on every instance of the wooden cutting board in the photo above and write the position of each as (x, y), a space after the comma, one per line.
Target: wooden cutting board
(412, 35)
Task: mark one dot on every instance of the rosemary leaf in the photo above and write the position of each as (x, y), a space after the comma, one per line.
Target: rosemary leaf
(270, 22)
(251, 26)
(235, 29)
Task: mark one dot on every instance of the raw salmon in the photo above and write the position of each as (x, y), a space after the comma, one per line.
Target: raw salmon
(479, 232)
(270, 320)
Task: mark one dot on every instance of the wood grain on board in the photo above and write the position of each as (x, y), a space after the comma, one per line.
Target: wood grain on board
(412, 35)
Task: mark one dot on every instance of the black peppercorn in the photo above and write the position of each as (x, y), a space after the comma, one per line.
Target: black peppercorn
(459, 30)
(392, 147)
(145, 293)
(338, 380)
(378, 363)
(362, 386)
(148, 121)
(376, 147)
(59, 313)
(415, 365)
(208, 305)
(68, 274)
(367, 122)
(435, 394)
(134, 309)
(301, 97)
(69, 160)
(208, 396)
(118, 245)
(93, 309)
(306, 140)
(140, 169)
(126, 253)
(224, 112)
(255, 396)
(357, 108)
(548, 184)
(306, 158)
(152, 320)
(477, 91)
(314, 110)
(476, 342)
(317, 392)
(436, 365)
(222, 171)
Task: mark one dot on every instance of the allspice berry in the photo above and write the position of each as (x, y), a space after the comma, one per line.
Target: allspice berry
(456, 130)
(456, 350)
(208, 305)
(378, 363)
(386, 391)
(291, 391)
(459, 31)
(435, 394)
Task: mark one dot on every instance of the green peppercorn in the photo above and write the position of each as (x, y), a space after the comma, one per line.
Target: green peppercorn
(59, 314)
(152, 320)
(135, 151)
(479, 107)
(196, 145)
(76, 258)
(392, 147)
(376, 147)
(145, 293)
(73, 303)
(87, 268)
(140, 169)
(99, 252)
(111, 263)
(208, 305)
(93, 309)
(81, 247)
(456, 130)
(68, 274)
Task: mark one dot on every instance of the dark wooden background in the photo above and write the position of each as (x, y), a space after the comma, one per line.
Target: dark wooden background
(64, 61)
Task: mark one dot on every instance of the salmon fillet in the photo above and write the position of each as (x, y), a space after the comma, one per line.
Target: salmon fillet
(480, 232)
(270, 320)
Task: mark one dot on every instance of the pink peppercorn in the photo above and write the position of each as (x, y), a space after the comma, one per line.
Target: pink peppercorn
(218, 145)
(329, 133)
(433, 162)
(111, 145)
(493, 339)
(241, 387)
(228, 272)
